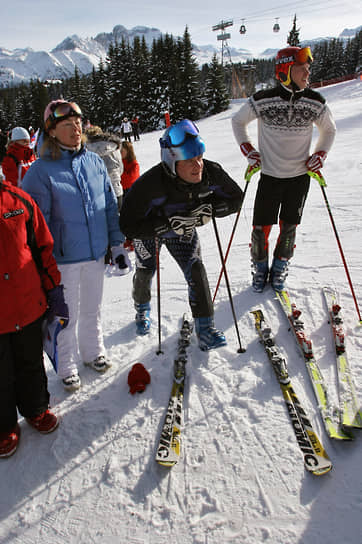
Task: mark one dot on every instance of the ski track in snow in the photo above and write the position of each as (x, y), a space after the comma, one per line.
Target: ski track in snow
(241, 477)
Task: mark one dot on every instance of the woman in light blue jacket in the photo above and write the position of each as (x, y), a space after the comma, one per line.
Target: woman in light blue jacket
(72, 188)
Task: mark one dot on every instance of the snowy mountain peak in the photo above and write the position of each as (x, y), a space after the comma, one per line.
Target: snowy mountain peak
(71, 42)
(120, 32)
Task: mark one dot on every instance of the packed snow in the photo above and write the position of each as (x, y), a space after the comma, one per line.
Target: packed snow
(241, 477)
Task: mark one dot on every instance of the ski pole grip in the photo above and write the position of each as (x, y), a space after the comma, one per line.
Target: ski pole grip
(318, 176)
(250, 171)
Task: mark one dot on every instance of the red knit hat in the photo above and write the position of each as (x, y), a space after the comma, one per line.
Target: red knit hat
(138, 378)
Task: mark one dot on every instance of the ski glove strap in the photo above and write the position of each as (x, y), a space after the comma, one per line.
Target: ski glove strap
(183, 226)
(202, 214)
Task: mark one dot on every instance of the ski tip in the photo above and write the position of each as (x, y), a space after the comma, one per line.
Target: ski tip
(321, 471)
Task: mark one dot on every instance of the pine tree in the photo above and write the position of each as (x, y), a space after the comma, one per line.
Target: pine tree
(293, 38)
(216, 94)
(138, 102)
(119, 69)
(38, 98)
(161, 67)
(22, 107)
(99, 98)
(187, 100)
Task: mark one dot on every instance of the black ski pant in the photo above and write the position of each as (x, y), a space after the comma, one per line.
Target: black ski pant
(187, 254)
(23, 381)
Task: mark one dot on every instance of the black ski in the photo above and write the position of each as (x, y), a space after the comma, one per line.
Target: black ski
(169, 446)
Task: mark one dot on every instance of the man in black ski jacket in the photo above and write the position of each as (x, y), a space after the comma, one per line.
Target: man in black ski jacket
(164, 206)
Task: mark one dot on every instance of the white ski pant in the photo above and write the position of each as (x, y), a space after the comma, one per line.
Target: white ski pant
(82, 339)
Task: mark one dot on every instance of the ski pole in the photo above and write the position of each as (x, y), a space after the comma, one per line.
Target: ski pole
(241, 349)
(249, 172)
(322, 182)
(159, 351)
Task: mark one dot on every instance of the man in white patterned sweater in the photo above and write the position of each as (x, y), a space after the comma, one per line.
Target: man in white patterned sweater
(286, 115)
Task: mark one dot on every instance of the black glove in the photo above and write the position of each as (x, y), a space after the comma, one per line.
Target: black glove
(220, 209)
(56, 304)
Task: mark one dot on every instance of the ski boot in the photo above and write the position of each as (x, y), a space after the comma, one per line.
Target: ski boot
(208, 336)
(143, 321)
(260, 275)
(278, 273)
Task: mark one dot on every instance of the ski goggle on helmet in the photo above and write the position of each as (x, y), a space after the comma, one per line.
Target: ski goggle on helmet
(289, 56)
(181, 142)
(58, 110)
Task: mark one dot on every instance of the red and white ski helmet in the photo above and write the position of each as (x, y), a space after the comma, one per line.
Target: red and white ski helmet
(287, 57)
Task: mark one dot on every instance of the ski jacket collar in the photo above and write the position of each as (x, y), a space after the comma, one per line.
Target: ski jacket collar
(287, 93)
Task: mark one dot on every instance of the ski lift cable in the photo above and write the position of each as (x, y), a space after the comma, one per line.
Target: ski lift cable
(279, 8)
(278, 11)
(266, 15)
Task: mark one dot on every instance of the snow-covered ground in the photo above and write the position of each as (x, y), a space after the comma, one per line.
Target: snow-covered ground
(241, 477)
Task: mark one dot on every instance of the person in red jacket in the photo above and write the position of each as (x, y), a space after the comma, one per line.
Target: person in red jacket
(131, 168)
(30, 291)
(19, 156)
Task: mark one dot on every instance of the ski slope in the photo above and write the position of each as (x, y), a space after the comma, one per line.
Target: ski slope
(241, 477)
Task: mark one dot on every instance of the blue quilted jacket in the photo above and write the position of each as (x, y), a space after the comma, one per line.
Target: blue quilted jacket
(77, 200)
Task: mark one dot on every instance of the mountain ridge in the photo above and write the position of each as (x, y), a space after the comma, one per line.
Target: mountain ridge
(21, 65)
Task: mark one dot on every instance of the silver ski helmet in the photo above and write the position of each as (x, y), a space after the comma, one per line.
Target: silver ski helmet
(181, 142)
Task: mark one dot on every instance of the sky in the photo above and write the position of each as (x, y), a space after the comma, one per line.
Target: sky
(46, 23)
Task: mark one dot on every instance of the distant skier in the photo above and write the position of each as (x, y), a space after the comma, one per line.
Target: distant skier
(286, 115)
(167, 203)
(126, 129)
(136, 128)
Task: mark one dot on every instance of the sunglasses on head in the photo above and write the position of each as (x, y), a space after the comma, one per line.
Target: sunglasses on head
(178, 134)
(62, 110)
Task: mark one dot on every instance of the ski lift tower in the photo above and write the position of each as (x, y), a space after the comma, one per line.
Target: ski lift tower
(223, 36)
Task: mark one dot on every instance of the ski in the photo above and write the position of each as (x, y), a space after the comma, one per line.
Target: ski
(316, 459)
(330, 414)
(350, 407)
(169, 446)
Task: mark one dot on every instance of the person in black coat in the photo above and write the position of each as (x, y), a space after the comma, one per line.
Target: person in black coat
(164, 207)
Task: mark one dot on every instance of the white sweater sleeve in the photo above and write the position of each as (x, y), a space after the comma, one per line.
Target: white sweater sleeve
(327, 131)
(240, 120)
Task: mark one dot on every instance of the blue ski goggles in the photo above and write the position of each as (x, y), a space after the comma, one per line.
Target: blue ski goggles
(177, 135)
